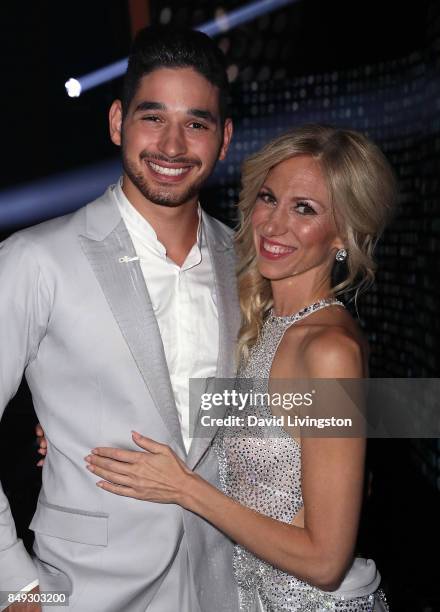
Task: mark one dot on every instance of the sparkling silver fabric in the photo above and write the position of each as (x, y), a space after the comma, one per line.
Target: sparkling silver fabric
(260, 467)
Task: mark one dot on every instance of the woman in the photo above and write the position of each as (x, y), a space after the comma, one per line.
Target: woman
(313, 201)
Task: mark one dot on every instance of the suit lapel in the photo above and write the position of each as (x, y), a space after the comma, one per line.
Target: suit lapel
(223, 261)
(107, 245)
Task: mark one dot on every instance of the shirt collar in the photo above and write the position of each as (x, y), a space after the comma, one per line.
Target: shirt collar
(142, 231)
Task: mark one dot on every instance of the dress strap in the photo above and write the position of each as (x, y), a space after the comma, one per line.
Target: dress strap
(305, 312)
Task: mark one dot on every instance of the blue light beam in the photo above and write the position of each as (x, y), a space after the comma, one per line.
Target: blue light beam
(224, 22)
(227, 21)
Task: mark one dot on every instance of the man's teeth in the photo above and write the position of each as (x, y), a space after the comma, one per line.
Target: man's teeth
(167, 171)
(276, 248)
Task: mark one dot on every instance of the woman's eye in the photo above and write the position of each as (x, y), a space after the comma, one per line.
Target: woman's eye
(304, 208)
(266, 197)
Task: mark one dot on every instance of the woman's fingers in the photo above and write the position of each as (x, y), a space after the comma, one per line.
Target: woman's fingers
(155, 475)
(147, 443)
(40, 435)
(132, 456)
(118, 454)
(114, 477)
(42, 443)
(112, 466)
(117, 489)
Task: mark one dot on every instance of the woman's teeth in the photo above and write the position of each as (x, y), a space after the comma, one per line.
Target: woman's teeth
(276, 248)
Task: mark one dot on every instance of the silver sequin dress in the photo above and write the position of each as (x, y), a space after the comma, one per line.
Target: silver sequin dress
(260, 467)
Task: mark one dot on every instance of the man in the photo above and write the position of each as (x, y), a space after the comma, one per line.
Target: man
(109, 311)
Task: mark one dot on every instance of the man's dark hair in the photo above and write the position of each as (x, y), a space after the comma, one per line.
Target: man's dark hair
(167, 47)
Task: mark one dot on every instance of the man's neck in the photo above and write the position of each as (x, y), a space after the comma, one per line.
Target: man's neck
(175, 226)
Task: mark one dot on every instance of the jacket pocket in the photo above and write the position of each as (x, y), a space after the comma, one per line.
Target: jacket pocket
(70, 524)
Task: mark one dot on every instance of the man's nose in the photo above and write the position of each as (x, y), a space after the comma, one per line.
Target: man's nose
(172, 142)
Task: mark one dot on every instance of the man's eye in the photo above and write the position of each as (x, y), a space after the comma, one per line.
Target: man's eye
(304, 208)
(152, 118)
(197, 126)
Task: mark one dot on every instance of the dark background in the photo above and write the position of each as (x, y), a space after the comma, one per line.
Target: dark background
(370, 66)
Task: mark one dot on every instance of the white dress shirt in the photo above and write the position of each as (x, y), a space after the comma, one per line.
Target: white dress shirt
(184, 302)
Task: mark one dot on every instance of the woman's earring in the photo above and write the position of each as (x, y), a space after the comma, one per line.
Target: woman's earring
(341, 255)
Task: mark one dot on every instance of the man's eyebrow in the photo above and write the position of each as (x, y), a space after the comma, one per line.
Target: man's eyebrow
(146, 106)
(202, 114)
(206, 115)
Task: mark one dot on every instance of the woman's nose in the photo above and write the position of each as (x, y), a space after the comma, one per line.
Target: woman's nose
(275, 224)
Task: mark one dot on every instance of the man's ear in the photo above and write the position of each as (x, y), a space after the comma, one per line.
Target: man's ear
(227, 136)
(115, 122)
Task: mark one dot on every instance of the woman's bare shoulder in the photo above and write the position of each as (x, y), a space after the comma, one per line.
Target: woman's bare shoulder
(334, 352)
(329, 347)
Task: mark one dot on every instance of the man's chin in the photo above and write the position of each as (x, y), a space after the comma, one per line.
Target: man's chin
(167, 199)
(167, 203)
(167, 196)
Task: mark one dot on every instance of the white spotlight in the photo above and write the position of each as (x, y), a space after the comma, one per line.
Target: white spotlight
(73, 88)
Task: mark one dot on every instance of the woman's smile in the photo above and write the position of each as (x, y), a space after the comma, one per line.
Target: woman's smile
(270, 249)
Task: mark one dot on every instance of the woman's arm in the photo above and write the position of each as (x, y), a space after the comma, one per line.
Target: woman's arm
(332, 473)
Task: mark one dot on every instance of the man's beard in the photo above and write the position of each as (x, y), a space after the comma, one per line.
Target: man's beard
(161, 195)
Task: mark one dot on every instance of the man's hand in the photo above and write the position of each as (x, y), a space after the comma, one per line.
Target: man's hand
(42, 442)
(26, 606)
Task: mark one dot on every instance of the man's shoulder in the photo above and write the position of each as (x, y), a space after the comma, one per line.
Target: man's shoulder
(55, 231)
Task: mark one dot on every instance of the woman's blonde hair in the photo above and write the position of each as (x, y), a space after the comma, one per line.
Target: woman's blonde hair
(362, 192)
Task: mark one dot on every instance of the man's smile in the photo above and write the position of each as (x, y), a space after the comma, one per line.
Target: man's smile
(169, 172)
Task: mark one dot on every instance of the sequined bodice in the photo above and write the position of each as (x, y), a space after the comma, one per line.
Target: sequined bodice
(260, 467)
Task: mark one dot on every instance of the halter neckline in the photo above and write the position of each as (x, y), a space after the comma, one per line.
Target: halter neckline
(306, 311)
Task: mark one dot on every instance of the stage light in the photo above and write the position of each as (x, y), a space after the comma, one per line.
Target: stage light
(73, 87)
(224, 44)
(232, 72)
(227, 21)
(222, 23)
(102, 75)
(165, 15)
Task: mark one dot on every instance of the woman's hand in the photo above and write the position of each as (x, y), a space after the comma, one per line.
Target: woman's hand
(157, 475)
(42, 443)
